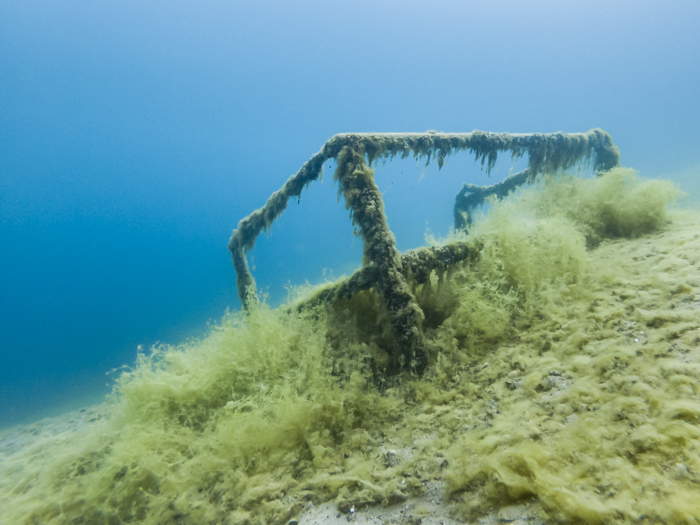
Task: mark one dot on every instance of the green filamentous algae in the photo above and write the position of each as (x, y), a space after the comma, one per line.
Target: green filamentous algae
(563, 370)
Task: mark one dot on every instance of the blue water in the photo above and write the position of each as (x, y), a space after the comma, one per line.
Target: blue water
(134, 135)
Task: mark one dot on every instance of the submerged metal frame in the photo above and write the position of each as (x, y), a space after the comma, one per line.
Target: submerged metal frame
(384, 268)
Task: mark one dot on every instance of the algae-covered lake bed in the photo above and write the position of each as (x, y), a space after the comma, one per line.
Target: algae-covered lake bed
(562, 386)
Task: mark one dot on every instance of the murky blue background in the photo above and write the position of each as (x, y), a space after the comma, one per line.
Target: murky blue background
(134, 135)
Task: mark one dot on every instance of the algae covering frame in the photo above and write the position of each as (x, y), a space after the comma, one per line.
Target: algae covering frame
(384, 268)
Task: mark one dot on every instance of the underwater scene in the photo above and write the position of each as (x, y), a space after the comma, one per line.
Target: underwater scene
(373, 262)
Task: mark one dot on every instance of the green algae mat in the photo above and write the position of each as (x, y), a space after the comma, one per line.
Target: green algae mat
(563, 370)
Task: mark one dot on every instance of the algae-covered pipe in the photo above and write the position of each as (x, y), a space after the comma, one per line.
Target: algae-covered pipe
(364, 200)
(472, 195)
(416, 266)
(598, 144)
